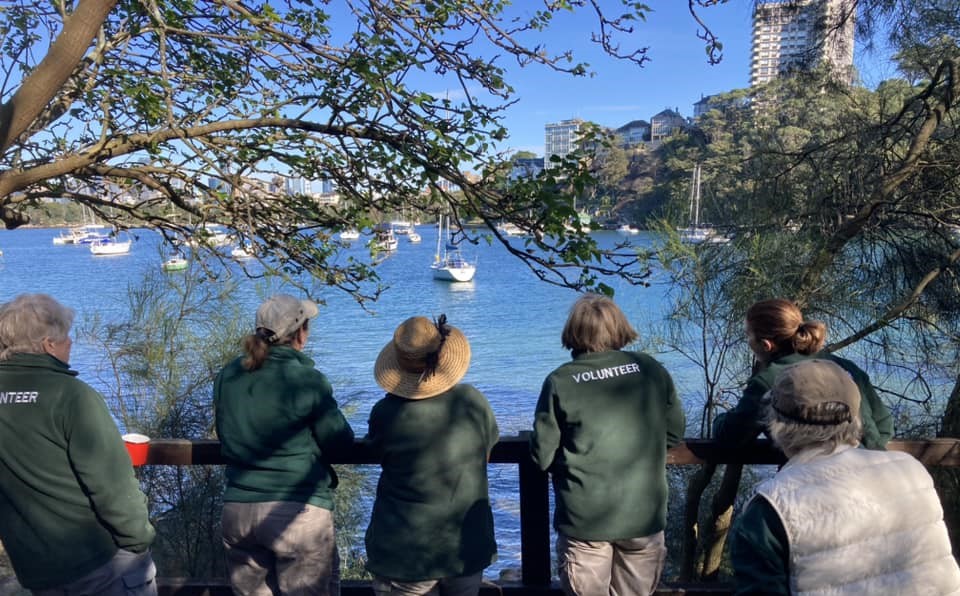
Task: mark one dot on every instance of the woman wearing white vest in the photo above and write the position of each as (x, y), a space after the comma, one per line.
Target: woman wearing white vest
(837, 519)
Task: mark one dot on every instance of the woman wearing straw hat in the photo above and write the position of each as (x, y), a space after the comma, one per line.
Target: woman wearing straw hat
(278, 426)
(602, 427)
(431, 529)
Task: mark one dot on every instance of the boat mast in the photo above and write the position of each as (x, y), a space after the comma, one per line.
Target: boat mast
(695, 196)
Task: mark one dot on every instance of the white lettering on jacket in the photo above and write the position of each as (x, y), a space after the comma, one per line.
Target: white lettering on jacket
(606, 373)
(18, 397)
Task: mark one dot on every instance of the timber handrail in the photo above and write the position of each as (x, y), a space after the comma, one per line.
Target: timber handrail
(930, 452)
(534, 500)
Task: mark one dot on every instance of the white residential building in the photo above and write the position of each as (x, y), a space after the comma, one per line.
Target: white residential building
(560, 138)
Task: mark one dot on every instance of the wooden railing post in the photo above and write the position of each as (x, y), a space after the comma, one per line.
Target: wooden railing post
(534, 524)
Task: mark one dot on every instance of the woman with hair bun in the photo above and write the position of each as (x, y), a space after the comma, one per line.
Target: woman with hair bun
(779, 336)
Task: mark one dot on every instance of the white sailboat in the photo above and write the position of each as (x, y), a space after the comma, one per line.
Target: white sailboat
(697, 233)
(110, 246)
(350, 234)
(449, 263)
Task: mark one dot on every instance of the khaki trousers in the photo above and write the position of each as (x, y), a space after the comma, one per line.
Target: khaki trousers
(280, 547)
(126, 574)
(467, 585)
(616, 568)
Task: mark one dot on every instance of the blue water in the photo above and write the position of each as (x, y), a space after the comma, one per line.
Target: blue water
(512, 320)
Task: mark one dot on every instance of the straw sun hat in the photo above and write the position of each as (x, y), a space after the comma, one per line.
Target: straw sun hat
(423, 360)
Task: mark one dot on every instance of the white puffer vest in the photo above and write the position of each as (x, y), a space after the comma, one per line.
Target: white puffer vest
(862, 522)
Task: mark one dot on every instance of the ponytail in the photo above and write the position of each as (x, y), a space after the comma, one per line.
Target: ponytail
(256, 349)
(257, 345)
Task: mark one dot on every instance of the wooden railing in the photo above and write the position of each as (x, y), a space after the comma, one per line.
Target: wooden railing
(534, 505)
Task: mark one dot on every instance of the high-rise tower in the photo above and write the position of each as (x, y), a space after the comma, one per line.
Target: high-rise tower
(801, 34)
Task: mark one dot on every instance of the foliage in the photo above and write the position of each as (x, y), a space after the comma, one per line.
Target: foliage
(159, 364)
(193, 112)
(846, 200)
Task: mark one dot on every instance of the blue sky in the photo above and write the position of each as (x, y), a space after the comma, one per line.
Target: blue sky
(676, 76)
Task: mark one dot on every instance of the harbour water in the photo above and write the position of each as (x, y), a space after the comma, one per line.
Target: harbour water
(512, 320)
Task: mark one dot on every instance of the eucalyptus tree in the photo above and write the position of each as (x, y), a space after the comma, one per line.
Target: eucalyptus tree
(169, 112)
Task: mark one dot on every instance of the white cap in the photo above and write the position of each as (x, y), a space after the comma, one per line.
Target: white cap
(283, 314)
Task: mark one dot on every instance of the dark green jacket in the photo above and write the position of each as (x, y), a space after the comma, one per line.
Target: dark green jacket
(68, 495)
(278, 426)
(602, 427)
(432, 517)
(744, 422)
(760, 551)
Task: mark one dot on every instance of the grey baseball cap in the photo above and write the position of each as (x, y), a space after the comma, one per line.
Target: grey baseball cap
(817, 392)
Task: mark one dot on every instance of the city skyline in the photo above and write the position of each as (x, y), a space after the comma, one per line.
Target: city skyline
(677, 75)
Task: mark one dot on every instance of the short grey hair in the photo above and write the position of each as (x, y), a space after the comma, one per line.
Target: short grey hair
(792, 436)
(28, 319)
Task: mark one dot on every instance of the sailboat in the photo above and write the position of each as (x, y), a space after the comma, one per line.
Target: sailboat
(111, 245)
(697, 233)
(448, 263)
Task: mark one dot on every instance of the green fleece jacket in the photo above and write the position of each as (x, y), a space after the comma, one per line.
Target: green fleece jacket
(278, 427)
(432, 517)
(68, 495)
(602, 427)
(744, 422)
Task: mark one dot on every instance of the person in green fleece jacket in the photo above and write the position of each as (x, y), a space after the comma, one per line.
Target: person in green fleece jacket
(779, 336)
(279, 427)
(603, 424)
(431, 529)
(72, 517)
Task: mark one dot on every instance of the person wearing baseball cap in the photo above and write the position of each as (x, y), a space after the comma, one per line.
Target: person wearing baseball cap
(279, 426)
(431, 529)
(836, 518)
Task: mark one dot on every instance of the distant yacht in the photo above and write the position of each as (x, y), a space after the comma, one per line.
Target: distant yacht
(110, 247)
(175, 263)
(448, 263)
(696, 233)
(383, 238)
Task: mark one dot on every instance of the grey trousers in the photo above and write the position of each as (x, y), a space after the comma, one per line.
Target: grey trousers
(618, 568)
(126, 574)
(279, 548)
(467, 585)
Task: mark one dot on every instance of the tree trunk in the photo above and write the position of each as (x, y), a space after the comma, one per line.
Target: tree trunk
(721, 517)
(691, 521)
(48, 78)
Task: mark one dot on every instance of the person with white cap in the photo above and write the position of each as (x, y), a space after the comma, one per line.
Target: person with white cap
(837, 519)
(431, 529)
(279, 426)
(602, 427)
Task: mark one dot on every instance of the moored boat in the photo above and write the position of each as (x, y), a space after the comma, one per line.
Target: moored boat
(241, 251)
(110, 246)
(449, 263)
(383, 239)
(174, 263)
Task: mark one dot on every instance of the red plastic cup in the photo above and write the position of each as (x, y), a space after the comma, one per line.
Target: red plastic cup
(137, 446)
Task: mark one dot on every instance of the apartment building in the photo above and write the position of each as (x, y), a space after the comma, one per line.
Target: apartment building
(561, 138)
(801, 34)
